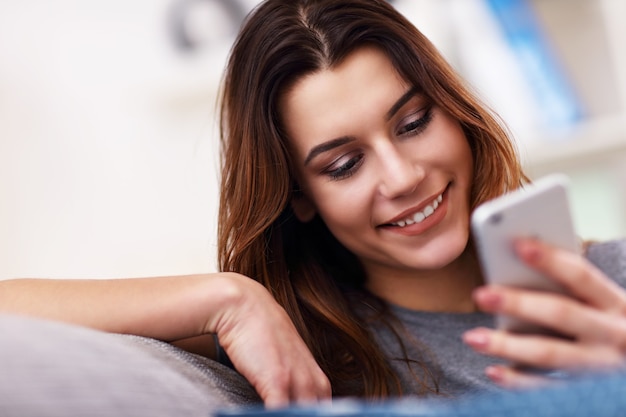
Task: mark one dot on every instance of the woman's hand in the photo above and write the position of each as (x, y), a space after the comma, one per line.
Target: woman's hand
(594, 318)
(255, 331)
(264, 346)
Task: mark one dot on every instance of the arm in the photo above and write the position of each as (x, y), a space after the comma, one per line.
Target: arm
(164, 308)
(254, 330)
(594, 318)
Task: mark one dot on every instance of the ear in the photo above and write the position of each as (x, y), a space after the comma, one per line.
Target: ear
(303, 208)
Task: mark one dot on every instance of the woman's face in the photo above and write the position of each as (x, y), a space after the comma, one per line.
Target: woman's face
(387, 171)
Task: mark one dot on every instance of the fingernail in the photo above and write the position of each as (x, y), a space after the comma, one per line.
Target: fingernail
(495, 373)
(488, 299)
(477, 338)
(528, 249)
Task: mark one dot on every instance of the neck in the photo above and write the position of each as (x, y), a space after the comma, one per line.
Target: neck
(448, 289)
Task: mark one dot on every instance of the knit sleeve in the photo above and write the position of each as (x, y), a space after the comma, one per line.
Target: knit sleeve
(610, 257)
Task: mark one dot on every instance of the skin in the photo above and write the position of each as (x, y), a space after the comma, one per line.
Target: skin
(400, 153)
(594, 318)
(423, 267)
(386, 174)
(253, 329)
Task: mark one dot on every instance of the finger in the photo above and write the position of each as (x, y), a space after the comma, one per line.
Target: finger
(290, 382)
(296, 376)
(281, 389)
(542, 351)
(310, 387)
(513, 378)
(557, 312)
(275, 400)
(272, 385)
(308, 383)
(578, 275)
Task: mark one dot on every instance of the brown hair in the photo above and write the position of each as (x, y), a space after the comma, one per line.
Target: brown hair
(303, 266)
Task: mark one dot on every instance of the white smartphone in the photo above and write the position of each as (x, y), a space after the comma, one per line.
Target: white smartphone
(540, 210)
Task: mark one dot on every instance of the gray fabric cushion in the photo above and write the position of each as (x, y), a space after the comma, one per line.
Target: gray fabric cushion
(56, 369)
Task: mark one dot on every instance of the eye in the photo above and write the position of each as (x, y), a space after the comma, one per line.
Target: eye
(417, 126)
(344, 167)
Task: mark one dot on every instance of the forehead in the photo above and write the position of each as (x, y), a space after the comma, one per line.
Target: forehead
(334, 101)
(354, 74)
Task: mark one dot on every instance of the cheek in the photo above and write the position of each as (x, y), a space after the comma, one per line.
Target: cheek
(464, 160)
(344, 208)
(458, 155)
(458, 158)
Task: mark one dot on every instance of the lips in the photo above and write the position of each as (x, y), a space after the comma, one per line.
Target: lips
(419, 214)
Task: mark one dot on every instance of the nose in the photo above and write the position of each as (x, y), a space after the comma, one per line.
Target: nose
(400, 173)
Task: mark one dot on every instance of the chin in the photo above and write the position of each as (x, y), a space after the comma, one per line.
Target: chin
(442, 252)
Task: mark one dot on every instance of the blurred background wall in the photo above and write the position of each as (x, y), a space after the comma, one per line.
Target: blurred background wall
(108, 138)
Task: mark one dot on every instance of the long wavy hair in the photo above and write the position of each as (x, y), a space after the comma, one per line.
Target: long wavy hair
(303, 266)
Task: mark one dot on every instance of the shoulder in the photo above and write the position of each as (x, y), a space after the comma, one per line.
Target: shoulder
(610, 258)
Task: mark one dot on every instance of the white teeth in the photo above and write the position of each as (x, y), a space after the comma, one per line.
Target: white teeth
(421, 215)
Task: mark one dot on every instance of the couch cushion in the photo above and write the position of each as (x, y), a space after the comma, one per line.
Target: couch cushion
(55, 369)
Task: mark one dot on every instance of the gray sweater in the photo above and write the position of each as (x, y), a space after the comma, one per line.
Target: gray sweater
(56, 369)
(435, 338)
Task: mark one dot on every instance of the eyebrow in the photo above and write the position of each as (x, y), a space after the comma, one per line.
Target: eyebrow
(335, 143)
(401, 102)
(327, 146)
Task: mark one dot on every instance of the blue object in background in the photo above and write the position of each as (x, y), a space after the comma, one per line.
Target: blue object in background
(556, 98)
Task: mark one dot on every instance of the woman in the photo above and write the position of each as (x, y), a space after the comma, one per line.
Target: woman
(370, 131)
(352, 158)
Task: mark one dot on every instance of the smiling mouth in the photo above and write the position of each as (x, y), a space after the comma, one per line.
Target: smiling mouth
(420, 216)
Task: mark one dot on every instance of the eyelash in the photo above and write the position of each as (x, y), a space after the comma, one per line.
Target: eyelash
(346, 170)
(413, 128)
(417, 126)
